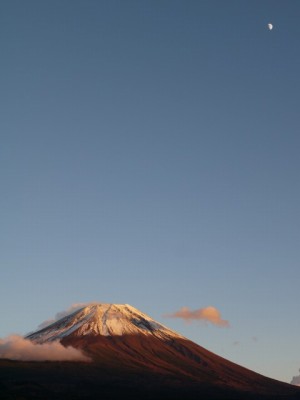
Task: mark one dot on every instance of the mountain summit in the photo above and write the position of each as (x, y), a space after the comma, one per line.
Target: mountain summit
(96, 320)
(122, 340)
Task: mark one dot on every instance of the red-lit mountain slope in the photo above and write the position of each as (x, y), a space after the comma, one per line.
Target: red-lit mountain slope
(123, 340)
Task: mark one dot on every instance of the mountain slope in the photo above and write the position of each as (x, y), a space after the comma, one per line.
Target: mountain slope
(123, 340)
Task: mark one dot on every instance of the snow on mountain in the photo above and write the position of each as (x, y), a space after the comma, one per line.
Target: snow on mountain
(103, 320)
(121, 340)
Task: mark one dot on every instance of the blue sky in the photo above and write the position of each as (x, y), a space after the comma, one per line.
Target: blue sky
(149, 155)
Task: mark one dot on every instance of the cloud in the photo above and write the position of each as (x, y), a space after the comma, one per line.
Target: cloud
(15, 347)
(62, 314)
(296, 380)
(208, 314)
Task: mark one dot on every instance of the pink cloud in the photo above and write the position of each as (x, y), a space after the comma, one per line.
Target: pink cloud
(62, 314)
(208, 314)
(15, 347)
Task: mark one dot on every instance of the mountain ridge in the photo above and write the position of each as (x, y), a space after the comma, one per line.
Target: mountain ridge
(123, 340)
(104, 319)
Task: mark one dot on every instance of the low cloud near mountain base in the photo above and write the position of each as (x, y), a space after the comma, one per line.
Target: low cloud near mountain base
(296, 380)
(15, 347)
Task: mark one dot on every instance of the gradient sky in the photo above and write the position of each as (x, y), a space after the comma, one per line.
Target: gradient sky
(149, 155)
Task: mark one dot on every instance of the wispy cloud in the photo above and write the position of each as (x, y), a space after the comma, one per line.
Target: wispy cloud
(296, 380)
(15, 347)
(62, 314)
(207, 314)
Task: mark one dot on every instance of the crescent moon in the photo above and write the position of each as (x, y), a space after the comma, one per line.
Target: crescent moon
(270, 27)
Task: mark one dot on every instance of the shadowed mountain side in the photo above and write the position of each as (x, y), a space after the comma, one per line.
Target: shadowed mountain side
(78, 381)
(179, 359)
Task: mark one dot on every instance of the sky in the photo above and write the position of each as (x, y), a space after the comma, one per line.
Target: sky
(149, 155)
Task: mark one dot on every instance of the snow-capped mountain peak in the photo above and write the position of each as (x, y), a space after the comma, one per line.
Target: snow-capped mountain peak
(121, 339)
(98, 319)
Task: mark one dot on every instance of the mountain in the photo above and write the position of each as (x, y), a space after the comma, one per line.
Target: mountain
(134, 355)
(120, 337)
(103, 320)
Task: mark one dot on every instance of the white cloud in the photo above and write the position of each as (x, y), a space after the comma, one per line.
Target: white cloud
(296, 380)
(15, 347)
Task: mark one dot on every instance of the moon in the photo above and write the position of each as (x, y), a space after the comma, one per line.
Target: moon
(270, 27)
